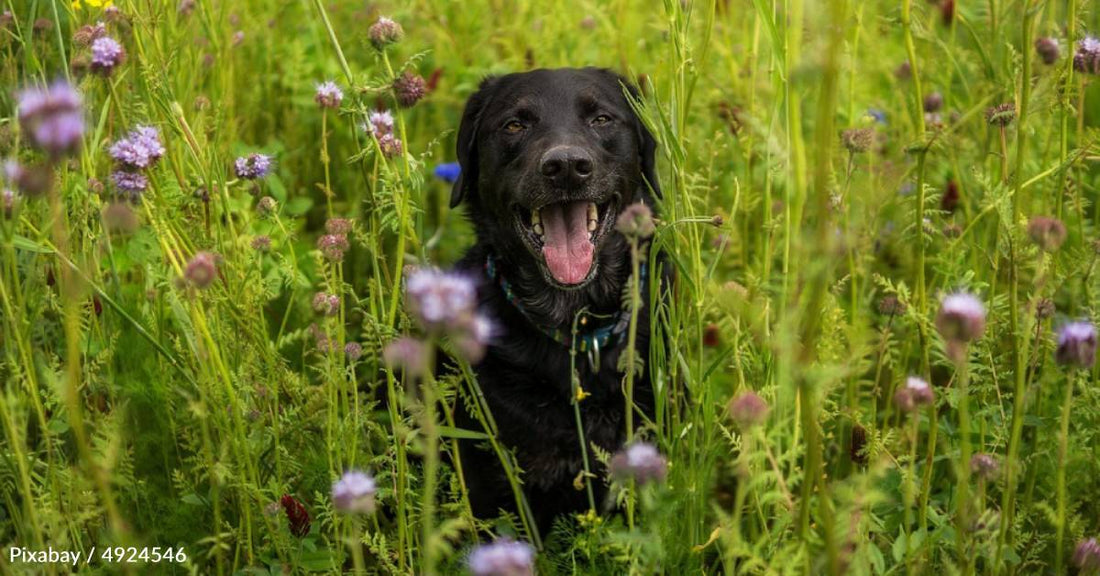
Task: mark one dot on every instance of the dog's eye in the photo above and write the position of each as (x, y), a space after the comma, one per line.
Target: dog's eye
(601, 120)
(513, 126)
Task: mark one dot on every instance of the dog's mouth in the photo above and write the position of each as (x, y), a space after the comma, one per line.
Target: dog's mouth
(566, 235)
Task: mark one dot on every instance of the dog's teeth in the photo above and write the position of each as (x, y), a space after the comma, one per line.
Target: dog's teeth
(593, 214)
(538, 229)
(536, 219)
(592, 225)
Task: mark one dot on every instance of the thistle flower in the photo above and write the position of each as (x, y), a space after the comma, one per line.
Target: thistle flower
(408, 355)
(380, 123)
(961, 317)
(326, 304)
(329, 95)
(1087, 57)
(296, 515)
(933, 102)
(504, 557)
(636, 221)
(201, 270)
(1076, 345)
(408, 89)
(640, 462)
(748, 410)
(857, 140)
(441, 301)
(448, 172)
(139, 149)
(1001, 115)
(130, 184)
(390, 145)
(353, 351)
(253, 167)
(53, 117)
(1087, 555)
(1047, 233)
(1048, 50)
(333, 246)
(384, 32)
(107, 54)
(354, 492)
(984, 466)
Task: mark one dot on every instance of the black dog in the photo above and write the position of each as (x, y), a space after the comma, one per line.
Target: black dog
(549, 160)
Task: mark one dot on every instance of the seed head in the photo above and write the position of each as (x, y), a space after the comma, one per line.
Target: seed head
(261, 243)
(329, 95)
(889, 305)
(88, 33)
(409, 88)
(984, 466)
(107, 54)
(384, 32)
(253, 167)
(1047, 233)
(504, 557)
(961, 317)
(354, 492)
(201, 270)
(640, 462)
(1076, 345)
(1001, 115)
(857, 140)
(1044, 309)
(636, 222)
(267, 206)
(1048, 50)
(748, 410)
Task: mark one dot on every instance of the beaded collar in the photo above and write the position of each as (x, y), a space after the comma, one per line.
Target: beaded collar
(588, 339)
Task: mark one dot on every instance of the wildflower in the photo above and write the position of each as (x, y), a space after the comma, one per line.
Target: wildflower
(88, 33)
(961, 317)
(338, 225)
(130, 184)
(267, 206)
(640, 462)
(320, 337)
(326, 304)
(472, 339)
(950, 199)
(636, 221)
(984, 466)
(441, 301)
(390, 145)
(408, 355)
(1048, 50)
(712, 336)
(53, 117)
(1087, 57)
(201, 270)
(921, 390)
(333, 246)
(253, 167)
(118, 217)
(261, 243)
(857, 139)
(891, 306)
(1076, 345)
(353, 351)
(448, 172)
(504, 557)
(354, 492)
(748, 410)
(1087, 555)
(408, 89)
(238, 38)
(30, 180)
(381, 123)
(384, 32)
(877, 115)
(947, 12)
(952, 230)
(107, 54)
(6, 18)
(139, 149)
(588, 23)
(1047, 233)
(185, 7)
(296, 515)
(1001, 115)
(329, 95)
(904, 71)
(41, 26)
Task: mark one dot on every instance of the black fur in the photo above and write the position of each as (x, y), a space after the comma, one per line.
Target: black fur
(525, 373)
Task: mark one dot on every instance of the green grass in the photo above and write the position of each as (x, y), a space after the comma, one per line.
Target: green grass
(139, 411)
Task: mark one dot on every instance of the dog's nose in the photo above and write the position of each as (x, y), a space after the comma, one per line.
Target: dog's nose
(566, 165)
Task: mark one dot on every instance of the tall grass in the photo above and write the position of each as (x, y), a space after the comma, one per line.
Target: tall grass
(141, 409)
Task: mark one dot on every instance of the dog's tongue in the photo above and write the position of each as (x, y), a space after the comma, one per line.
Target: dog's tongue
(567, 246)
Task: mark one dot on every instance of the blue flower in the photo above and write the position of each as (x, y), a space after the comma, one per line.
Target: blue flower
(877, 114)
(448, 172)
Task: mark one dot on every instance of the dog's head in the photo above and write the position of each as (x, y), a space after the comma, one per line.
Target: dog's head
(549, 159)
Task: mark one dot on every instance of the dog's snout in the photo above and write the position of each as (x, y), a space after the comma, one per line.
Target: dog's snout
(566, 165)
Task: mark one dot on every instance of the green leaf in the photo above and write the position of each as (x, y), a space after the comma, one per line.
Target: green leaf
(24, 243)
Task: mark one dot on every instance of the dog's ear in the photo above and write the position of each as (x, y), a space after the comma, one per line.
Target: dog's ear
(466, 145)
(647, 145)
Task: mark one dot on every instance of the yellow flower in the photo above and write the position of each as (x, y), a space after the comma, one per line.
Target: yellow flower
(77, 4)
(581, 394)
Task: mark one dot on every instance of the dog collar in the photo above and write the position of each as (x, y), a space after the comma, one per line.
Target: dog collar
(586, 339)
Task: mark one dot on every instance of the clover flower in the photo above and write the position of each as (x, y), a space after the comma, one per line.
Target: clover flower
(408, 89)
(1048, 50)
(748, 410)
(296, 515)
(329, 95)
(1076, 345)
(1047, 233)
(107, 54)
(201, 270)
(640, 462)
(53, 117)
(253, 167)
(504, 557)
(139, 149)
(636, 221)
(384, 32)
(354, 493)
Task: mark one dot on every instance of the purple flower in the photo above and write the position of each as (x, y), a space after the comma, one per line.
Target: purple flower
(1047, 233)
(201, 270)
(338, 226)
(329, 95)
(441, 301)
(1087, 555)
(984, 466)
(139, 149)
(914, 394)
(261, 243)
(390, 145)
(333, 246)
(636, 221)
(409, 88)
(8, 201)
(326, 304)
(354, 492)
(107, 54)
(748, 410)
(504, 557)
(1076, 345)
(407, 354)
(353, 350)
(961, 317)
(380, 123)
(448, 172)
(253, 167)
(640, 462)
(53, 117)
(131, 184)
(384, 32)
(472, 340)
(878, 115)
